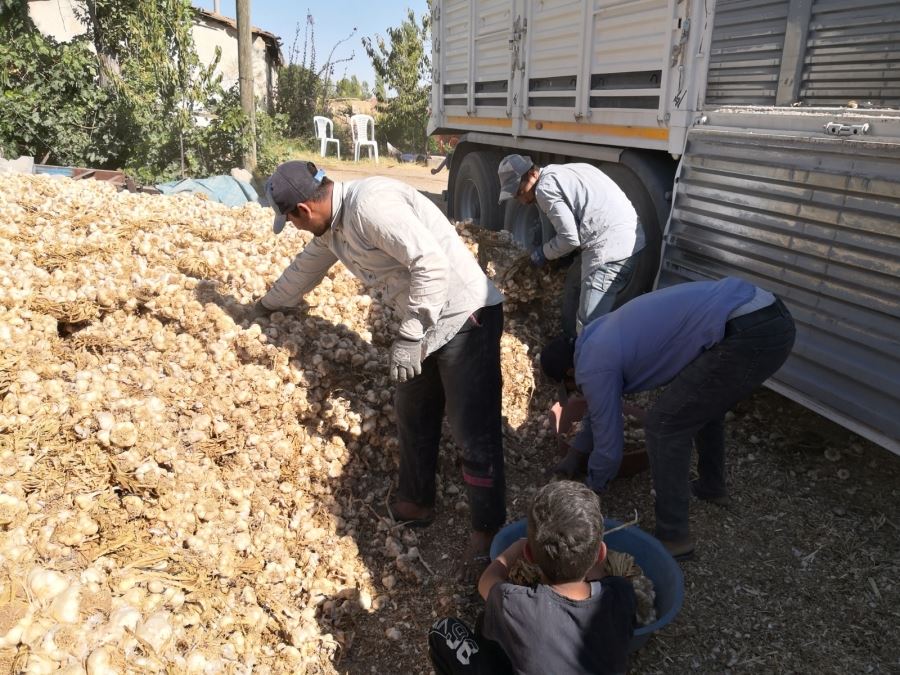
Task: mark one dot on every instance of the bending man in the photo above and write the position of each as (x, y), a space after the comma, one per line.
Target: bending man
(587, 211)
(711, 343)
(446, 354)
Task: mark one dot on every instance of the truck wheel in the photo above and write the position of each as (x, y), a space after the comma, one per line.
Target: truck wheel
(648, 261)
(477, 189)
(523, 222)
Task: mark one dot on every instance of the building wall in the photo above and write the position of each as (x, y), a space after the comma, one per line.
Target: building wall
(56, 18)
(208, 36)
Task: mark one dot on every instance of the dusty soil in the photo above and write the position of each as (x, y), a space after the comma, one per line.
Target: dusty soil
(420, 177)
(800, 574)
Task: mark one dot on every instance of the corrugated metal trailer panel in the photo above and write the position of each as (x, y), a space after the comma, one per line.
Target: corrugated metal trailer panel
(555, 36)
(815, 219)
(453, 42)
(806, 52)
(595, 72)
(627, 35)
(853, 53)
(745, 53)
(491, 70)
(601, 72)
(627, 54)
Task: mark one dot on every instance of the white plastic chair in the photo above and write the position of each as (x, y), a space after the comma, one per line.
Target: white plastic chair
(324, 131)
(359, 128)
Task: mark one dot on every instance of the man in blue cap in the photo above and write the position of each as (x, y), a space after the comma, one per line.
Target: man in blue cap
(588, 213)
(446, 354)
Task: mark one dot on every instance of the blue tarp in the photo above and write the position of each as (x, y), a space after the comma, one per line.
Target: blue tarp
(223, 189)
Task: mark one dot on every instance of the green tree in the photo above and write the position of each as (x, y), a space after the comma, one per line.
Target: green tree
(148, 63)
(14, 17)
(404, 65)
(351, 88)
(380, 92)
(52, 109)
(132, 103)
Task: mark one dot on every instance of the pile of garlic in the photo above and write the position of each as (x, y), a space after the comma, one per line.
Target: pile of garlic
(508, 264)
(173, 484)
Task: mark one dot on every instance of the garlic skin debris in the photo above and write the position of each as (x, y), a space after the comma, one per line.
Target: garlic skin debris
(176, 482)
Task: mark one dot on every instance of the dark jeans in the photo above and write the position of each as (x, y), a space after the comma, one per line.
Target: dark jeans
(693, 407)
(455, 649)
(463, 378)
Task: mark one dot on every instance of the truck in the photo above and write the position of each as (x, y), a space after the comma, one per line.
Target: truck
(755, 138)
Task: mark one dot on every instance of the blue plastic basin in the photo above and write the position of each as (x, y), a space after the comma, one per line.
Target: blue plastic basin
(652, 556)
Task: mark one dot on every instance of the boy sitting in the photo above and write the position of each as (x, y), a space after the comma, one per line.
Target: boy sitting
(563, 625)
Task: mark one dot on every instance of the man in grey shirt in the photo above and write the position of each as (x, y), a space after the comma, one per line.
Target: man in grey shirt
(588, 212)
(446, 354)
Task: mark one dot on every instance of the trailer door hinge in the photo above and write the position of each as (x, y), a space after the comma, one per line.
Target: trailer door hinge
(838, 129)
(678, 48)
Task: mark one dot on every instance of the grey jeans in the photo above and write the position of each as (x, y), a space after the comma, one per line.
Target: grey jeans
(587, 297)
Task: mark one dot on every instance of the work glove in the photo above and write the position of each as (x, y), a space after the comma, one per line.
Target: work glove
(406, 359)
(573, 466)
(537, 257)
(256, 311)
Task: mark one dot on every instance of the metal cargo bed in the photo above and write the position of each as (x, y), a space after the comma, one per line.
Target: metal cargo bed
(811, 212)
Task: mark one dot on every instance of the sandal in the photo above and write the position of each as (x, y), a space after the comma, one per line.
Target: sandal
(470, 570)
(414, 522)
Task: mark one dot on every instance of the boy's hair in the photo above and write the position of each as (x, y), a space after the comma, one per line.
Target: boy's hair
(565, 528)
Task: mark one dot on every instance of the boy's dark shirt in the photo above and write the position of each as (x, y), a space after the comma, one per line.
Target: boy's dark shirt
(544, 632)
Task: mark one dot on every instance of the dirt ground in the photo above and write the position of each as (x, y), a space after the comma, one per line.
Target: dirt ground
(800, 574)
(420, 177)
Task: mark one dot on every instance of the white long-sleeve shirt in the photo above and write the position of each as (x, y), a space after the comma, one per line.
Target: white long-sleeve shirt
(392, 237)
(587, 210)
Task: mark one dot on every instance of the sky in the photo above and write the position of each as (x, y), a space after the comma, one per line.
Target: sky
(334, 20)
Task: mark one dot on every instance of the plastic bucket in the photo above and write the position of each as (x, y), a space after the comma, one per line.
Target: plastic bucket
(651, 555)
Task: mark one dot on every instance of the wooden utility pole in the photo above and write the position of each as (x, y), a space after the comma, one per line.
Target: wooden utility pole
(245, 78)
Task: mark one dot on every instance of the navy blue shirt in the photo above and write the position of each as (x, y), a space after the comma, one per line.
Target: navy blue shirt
(643, 345)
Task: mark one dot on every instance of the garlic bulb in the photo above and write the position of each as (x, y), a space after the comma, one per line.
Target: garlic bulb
(46, 584)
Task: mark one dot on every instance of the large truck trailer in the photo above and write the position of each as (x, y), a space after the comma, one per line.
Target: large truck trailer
(756, 138)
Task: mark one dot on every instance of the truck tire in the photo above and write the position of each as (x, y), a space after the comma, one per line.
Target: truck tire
(477, 189)
(522, 221)
(648, 261)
